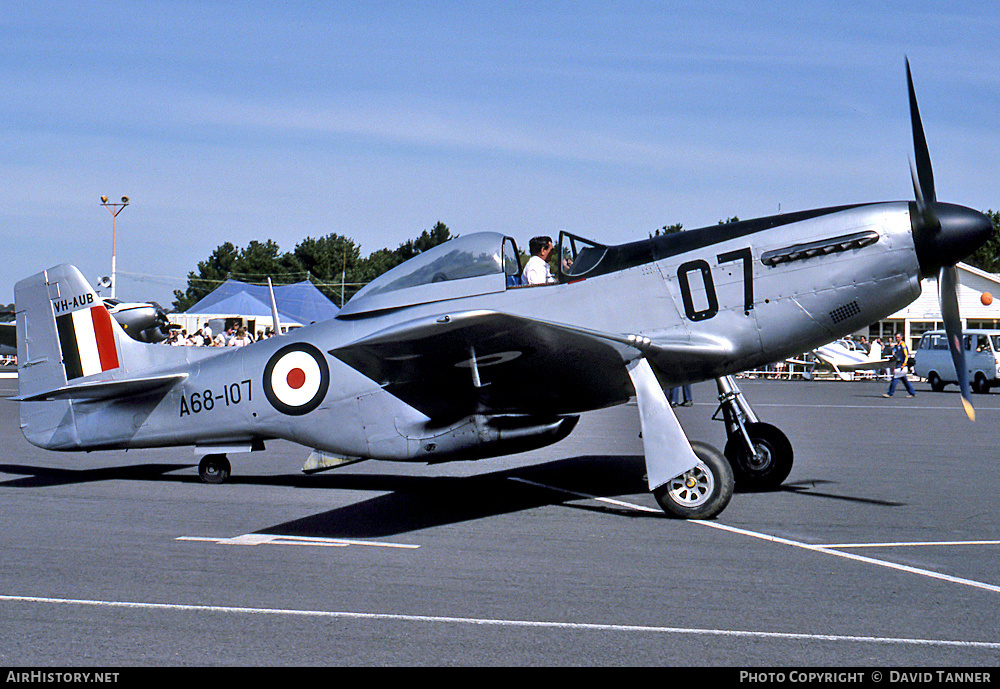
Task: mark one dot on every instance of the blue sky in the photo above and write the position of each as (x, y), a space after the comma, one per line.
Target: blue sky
(227, 121)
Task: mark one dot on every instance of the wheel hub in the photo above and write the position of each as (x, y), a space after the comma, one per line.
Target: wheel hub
(693, 488)
(761, 458)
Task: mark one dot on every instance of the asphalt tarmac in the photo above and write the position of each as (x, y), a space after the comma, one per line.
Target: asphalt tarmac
(880, 551)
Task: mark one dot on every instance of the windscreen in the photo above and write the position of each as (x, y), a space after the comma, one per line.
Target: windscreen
(463, 257)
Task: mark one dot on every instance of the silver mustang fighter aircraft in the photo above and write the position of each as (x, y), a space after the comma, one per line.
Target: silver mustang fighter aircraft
(448, 357)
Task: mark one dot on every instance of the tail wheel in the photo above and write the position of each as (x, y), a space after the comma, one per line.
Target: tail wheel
(770, 464)
(701, 493)
(214, 468)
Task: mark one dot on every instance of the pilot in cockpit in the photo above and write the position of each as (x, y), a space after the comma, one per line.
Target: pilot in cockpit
(536, 270)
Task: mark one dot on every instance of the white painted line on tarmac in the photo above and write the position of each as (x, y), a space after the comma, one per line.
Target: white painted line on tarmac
(609, 501)
(906, 544)
(277, 539)
(473, 621)
(826, 549)
(851, 556)
(883, 403)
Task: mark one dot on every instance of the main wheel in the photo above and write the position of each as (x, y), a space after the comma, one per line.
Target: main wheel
(769, 467)
(214, 468)
(702, 492)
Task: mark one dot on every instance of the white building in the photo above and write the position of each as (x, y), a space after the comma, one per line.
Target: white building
(925, 313)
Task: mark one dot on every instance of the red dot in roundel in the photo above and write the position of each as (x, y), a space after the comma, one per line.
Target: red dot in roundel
(296, 378)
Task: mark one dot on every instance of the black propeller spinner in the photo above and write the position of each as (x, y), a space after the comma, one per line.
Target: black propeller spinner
(943, 234)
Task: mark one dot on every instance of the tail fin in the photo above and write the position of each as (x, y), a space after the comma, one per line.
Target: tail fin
(65, 334)
(64, 331)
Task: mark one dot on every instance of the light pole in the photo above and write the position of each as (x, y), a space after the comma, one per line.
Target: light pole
(114, 209)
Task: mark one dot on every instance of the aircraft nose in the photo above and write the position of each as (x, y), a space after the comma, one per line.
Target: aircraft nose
(961, 231)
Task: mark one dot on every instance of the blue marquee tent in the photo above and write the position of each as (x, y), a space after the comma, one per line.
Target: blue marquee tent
(300, 303)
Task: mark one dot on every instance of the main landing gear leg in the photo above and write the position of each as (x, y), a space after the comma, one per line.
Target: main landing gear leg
(760, 454)
(214, 468)
(688, 480)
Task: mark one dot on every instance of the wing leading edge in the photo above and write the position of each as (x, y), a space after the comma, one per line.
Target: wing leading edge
(449, 366)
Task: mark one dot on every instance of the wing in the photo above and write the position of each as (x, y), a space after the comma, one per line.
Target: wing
(862, 365)
(870, 365)
(453, 365)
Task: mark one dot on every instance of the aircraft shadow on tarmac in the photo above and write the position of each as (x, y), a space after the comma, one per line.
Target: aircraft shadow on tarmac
(423, 502)
(805, 488)
(412, 503)
(41, 477)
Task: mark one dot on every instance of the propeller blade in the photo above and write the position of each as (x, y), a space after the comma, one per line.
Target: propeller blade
(948, 295)
(917, 192)
(923, 177)
(942, 235)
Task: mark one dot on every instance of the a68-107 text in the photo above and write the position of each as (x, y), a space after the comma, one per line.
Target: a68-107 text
(214, 398)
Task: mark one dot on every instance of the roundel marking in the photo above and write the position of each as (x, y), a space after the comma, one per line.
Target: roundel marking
(296, 379)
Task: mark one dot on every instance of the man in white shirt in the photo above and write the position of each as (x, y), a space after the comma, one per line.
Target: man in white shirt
(536, 270)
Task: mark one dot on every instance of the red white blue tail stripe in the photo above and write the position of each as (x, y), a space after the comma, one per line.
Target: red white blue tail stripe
(87, 341)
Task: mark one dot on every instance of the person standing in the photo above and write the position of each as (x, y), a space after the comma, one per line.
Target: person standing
(674, 396)
(900, 360)
(240, 339)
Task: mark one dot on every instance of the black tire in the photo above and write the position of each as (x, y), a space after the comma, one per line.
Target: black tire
(937, 385)
(214, 468)
(980, 385)
(770, 468)
(701, 493)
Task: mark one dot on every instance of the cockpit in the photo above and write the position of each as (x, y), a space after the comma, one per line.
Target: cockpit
(468, 265)
(465, 266)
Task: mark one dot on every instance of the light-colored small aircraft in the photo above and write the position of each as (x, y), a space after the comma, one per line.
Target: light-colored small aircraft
(447, 357)
(843, 357)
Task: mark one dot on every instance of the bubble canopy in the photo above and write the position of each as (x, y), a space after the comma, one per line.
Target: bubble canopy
(461, 267)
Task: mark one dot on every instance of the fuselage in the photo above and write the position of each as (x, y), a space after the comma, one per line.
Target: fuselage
(767, 289)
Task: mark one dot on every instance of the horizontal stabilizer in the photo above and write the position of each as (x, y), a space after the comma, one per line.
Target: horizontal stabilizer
(106, 389)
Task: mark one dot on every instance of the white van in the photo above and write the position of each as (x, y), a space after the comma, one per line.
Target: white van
(982, 357)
